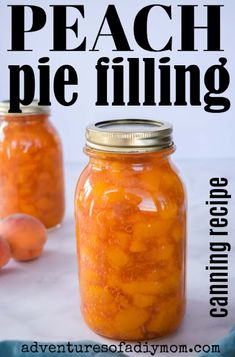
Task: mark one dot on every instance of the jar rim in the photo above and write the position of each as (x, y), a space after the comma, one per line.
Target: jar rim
(33, 109)
(127, 136)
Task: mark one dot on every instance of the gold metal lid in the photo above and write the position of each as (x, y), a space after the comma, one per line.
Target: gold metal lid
(32, 109)
(129, 135)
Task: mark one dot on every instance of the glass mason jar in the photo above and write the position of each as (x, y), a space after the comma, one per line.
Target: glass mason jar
(31, 167)
(130, 213)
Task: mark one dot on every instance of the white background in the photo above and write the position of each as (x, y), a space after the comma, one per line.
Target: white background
(197, 134)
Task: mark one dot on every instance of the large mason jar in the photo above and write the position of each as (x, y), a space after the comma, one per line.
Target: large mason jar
(31, 165)
(130, 213)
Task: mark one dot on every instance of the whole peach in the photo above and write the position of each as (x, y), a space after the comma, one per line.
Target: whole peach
(5, 252)
(25, 234)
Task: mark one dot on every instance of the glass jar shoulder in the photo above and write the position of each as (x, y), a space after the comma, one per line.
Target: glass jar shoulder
(148, 188)
(34, 133)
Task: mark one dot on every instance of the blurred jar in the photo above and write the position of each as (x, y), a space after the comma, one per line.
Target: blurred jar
(130, 212)
(31, 165)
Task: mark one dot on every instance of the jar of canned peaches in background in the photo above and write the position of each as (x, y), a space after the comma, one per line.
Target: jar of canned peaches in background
(130, 212)
(31, 165)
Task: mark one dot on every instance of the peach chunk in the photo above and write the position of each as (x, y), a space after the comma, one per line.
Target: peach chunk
(130, 319)
(98, 294)
(117, 258)
(138, 245)
(122, 239)
(141, 300)
(166, 318)
(142, 287)
(5, 253)
(25, 234)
